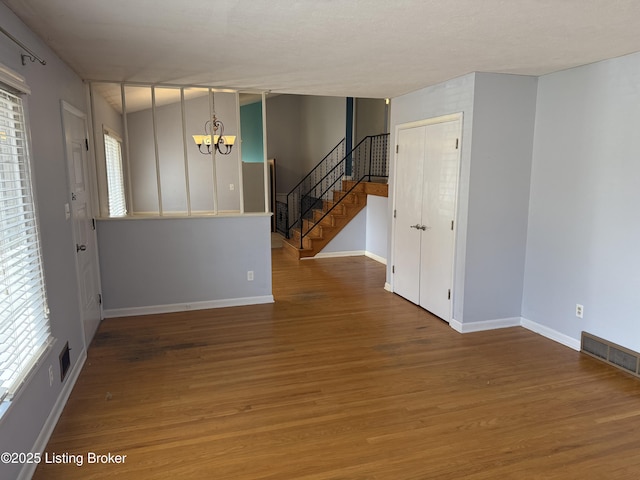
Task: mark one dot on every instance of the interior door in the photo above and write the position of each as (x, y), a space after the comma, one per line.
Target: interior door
(441, 166)
(87, 270)
(408, 212)
(427, 171)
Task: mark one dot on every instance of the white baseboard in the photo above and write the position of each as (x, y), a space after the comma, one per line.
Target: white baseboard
(183, 307)
(375, 257)
(41, 442)
(551, 334)
(484, 325)
(354, 253)
(547, 332)
(387, 287)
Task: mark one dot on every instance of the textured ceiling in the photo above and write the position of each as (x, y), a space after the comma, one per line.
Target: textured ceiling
(360, 48)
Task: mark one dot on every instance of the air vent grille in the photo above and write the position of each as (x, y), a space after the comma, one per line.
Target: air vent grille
(609, 352)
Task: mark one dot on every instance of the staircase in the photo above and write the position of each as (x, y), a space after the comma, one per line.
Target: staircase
(326, 222)
(331, 195)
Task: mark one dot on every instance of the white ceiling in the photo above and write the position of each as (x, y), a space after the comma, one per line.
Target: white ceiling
(360, 48)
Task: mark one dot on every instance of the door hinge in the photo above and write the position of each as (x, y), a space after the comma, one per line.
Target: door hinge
(93, 223)
(449, 295)
(394, 213)
(100, 299)
(86, 144)
(393, 269)
(397, 148)
(457, 143)
(451, 225)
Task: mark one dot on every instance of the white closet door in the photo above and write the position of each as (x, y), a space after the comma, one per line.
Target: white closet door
(427, 171)
(441, 168)
(409, 184)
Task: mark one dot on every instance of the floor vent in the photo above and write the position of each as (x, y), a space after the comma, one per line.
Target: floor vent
(618, 356)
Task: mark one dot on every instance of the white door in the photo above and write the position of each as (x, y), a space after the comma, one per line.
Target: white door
(408, 213)
(441, 168)
(75, 133)
(427, 169)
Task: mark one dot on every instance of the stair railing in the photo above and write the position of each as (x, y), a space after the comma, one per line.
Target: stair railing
(288, 214)
(367, 160)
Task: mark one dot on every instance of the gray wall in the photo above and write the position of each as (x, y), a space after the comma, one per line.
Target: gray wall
(377, 225)
(21, 425)
(583, 237)
(352, 238)
(253, 186)
(284, 139)
(323, 126)
(501, 150)
(301, 130)
(367, 232)
(162, 261)
(369, 118)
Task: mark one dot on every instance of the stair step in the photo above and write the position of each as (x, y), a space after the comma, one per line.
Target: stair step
(352, 197)
(370, 188)
(310, 232)
(307, 242)
(323, 218)
(349, 184)
(338, 208)
(315, 230)
(295, 251)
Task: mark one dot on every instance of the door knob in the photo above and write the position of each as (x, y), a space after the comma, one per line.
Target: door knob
(80, 248)
(416, 226)
(424, 227)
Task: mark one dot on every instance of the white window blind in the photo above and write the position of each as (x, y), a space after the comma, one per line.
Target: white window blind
(115, 178)
(24, 324)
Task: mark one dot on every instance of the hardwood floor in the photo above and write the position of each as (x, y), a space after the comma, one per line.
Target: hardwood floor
(341, 380)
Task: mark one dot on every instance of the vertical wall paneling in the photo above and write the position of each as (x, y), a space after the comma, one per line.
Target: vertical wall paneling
(348, 134)
(126, 160)
(186, 154)
(267, 182)
(154, 122)
(214, 177)
(238, 147)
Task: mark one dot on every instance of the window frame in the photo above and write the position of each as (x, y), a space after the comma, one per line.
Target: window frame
(29, 283)
(116, 194)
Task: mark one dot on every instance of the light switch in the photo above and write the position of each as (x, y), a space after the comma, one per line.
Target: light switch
(67, 211)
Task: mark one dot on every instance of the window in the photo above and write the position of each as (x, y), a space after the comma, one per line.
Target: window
(24, 324)
(115, 180)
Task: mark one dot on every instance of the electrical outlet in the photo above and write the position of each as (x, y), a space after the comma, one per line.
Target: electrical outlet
(250, 275)
(50, 375)
(579, 310)
(232, 187)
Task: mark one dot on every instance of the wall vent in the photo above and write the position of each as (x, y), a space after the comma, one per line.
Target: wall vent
(65, 361)
(609, 352)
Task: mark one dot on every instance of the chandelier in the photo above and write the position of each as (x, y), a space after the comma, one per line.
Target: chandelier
(214, 129)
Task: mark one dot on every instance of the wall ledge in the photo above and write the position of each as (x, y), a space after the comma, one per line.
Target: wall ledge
(155, 216)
